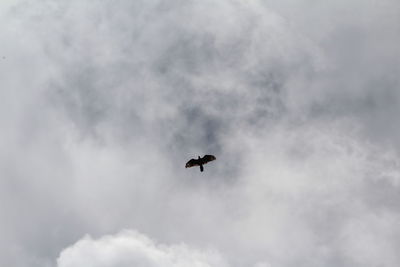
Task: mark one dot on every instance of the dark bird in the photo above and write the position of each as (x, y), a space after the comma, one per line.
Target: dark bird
(200, 161)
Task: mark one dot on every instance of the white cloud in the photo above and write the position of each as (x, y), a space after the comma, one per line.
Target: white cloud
(130, 248)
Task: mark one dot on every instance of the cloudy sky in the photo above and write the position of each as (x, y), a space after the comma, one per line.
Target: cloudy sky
(103, 102)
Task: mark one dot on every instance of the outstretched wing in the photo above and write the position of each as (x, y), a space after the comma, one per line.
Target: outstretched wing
(191, 163)
(207, 158)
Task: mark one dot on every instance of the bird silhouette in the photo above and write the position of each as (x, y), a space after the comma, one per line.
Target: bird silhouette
(200, 161)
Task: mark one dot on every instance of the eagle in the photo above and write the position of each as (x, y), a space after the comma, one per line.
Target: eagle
(200, 161)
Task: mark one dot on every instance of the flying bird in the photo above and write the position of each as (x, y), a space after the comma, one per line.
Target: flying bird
(200, 161)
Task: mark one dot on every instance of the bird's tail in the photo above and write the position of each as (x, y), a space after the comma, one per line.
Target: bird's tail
(201, 168)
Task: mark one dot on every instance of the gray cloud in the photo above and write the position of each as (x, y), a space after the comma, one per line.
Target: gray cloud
(103, 103)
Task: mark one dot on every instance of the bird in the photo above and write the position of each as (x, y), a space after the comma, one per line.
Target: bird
(200, 161)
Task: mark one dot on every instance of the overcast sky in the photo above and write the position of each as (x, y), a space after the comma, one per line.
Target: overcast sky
(103, 102)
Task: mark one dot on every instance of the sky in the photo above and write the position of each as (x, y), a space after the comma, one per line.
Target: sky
(103, 102)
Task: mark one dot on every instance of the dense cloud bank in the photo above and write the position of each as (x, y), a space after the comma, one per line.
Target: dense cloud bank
(103, 102)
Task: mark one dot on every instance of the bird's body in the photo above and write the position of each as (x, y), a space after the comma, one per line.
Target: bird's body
(200, 161)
